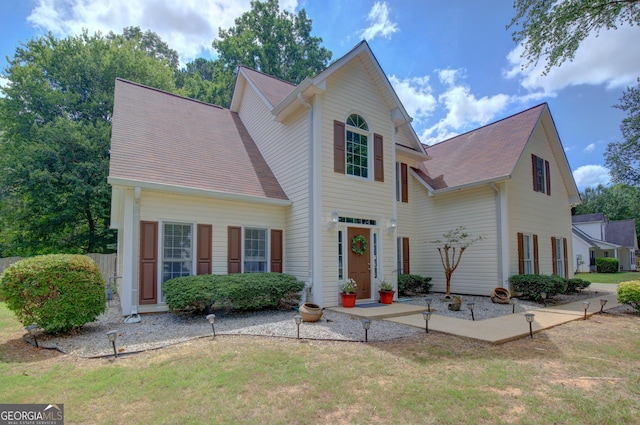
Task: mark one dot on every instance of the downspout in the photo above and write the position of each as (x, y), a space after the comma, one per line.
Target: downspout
(309, 283)
(135, 283)
(499, 234)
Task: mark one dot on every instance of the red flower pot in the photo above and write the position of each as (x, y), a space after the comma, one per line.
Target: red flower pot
(348, 300)
(386, 297)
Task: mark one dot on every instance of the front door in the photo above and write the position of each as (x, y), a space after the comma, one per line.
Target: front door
(360, 261)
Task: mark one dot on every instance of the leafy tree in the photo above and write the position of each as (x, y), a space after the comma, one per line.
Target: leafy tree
(54, 152)
(206, 80)
(554, 29)
(623, 158)
(455, 243)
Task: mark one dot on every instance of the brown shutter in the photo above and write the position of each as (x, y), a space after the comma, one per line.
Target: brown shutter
(553, 255)
(205, 232)
(547, 177)
(536, 266)
(276, 251)
(234, 250)
(405, 256)
(378, 158)
(338, 147)
(520, 253)
(535, 175)
(405, 182)
(566, 260)
(148, 291)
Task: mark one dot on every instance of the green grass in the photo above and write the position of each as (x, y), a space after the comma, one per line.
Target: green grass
(571, 374)
(609, 277)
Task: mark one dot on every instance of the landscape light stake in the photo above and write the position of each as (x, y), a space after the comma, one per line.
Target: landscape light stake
(514, 301)
(298, 320)
(428, 301)
(112, 335)
(603, 302)
(32, 331)
(586, 306)
(543, 295)
(471, 305)
(366, 324)
(212, 319)
(529, 317)
(427, 316)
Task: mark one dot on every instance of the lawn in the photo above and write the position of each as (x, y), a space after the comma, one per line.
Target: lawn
(584, 372)
(609, 277)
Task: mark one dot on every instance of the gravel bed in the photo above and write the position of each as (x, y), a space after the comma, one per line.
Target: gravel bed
(165, 329)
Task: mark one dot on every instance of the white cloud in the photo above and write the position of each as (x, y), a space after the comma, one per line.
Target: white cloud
(379, 23)
(416, 95)
(448, 76)
(590, 147)
(608, 59)
(188, 26)
(591, 175)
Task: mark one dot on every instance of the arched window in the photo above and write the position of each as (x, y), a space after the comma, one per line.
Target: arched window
(357, 146)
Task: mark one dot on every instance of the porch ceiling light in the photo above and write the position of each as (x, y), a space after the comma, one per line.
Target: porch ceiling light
(212, 319)
(529, 317)
(112, 336)
(366, 324)
(603, 302)
(427, 316)
(32, 331)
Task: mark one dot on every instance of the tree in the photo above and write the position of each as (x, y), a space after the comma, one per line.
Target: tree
(553, 30)
(623, 158)
(54, 152)
(451, 249)
(206, 80)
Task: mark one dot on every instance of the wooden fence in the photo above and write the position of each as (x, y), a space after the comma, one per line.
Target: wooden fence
(106, 262)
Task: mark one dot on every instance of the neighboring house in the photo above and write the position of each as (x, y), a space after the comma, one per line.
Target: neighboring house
(290, 177)
(596, 237)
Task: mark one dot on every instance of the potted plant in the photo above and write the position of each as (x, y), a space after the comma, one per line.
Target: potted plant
(348, 293)
(386, 292)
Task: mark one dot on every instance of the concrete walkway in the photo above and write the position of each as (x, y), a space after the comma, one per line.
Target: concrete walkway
(496, 330)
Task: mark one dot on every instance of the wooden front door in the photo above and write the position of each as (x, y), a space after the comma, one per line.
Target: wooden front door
(360, 265)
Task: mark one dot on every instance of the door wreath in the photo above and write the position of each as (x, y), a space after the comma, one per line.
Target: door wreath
(359, 245)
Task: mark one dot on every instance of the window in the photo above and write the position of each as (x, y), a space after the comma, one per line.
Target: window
(527, 253)
(177, 251)
(340, 257)
(375, 255)
(255, 250)
(541, 175)
(402, 184)
(357, 146)
(558, 256)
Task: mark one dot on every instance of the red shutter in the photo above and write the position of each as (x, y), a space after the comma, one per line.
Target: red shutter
(338, 147)
(276, 251)
(554, 255)
(404, 182)
(547, 177)
(205, 232)
(533, 170)
(148, 291)
(566, 259)
(378, 158)
(405, 256)
(520, 253)
(536, 266)
(234, 250)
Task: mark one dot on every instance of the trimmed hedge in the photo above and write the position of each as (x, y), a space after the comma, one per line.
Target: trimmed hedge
(412, 284)
(576, 284)
(240, 292)
(629, 293)
(56, 292)
(607, 265)
(533, 285)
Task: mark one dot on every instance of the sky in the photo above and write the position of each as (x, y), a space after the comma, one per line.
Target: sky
(452, 63)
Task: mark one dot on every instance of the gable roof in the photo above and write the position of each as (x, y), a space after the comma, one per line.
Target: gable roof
(622, 232)
(271, 89)
(169, 142)
(587, 218)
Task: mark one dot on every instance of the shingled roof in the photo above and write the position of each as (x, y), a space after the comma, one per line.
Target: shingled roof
(273, 89)
(164, 139)
(485, 154)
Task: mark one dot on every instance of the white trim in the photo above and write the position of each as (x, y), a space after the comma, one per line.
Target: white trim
(316, 204)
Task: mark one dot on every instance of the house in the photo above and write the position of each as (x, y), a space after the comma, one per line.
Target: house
(327, 180)
(596, 237)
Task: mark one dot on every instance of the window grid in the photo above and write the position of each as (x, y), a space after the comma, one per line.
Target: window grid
(255, 250)
(177, 251)
(559, 257)
(357, 146)
(340, 257)
(528, 254)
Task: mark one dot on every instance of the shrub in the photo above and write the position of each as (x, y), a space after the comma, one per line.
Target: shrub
(241, 292)
(56, 292)
(411, 284)
(576, 284)
(629, 293)
(607, 265)
(533, 285)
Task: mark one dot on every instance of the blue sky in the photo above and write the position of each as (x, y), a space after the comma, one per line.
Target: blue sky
(452, 63)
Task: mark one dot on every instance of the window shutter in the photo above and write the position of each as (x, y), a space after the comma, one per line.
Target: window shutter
(554, 255)
(205, 232)
(405, 182)
(548, 177)
(276, 251)
(405, 256)
(520, 253)
(338, 147)
(234, 250)
(566, 259)
(533, 171)
(148, 291)
(536, 266)
(378, 158)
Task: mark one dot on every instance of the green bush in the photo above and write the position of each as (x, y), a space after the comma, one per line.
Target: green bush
(240, 292)
(607, 265)
(629, 293)
(56, 292)
(533, 285)
(576, 284)
(412, 284)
